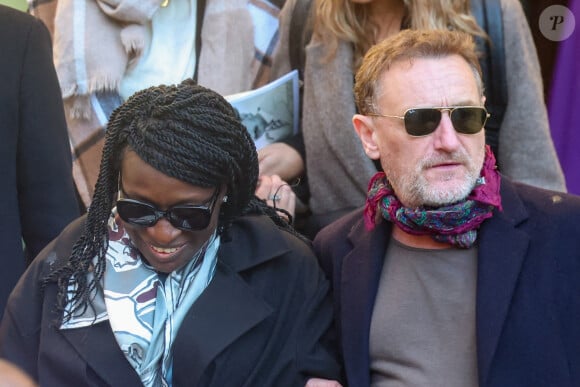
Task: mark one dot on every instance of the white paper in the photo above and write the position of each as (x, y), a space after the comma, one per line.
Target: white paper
(271, 112)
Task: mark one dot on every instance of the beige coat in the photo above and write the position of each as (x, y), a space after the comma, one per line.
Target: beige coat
(112, 37)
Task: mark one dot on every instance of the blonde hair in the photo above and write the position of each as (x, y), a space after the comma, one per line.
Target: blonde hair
(409, 45)
(344, 20)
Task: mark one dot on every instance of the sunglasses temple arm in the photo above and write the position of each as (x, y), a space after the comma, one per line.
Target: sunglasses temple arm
(119, 187)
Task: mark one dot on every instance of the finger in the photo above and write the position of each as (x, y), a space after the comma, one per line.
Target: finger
(268, 188)
(315, 382)
(285, 194)
(282, 196)
(263, 190)
(287, 200)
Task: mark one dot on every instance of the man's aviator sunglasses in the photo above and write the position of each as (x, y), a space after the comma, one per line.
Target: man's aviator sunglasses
(423, 121)
(184, 217)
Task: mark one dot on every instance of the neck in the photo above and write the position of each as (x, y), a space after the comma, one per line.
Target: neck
(387, 15)
(418, 241)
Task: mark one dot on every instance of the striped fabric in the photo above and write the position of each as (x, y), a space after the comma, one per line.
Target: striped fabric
(238, 39)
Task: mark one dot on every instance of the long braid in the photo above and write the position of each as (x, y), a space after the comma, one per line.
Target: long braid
(185, 131)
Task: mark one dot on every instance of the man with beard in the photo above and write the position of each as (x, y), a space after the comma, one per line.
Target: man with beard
(452, 274)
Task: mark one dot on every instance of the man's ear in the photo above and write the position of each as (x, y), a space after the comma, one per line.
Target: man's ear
(365, 129)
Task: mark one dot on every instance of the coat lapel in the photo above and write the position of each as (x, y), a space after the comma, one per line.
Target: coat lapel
(225, 310)
(228, 307)
(502, 248)
(361, 271)
(97, 346)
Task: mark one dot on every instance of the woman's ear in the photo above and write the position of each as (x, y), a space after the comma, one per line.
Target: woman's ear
(365, 129)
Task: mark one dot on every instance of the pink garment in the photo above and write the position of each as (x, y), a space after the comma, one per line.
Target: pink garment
(564, 103)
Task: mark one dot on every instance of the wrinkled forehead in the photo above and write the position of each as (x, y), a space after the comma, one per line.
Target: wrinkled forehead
(438, 81)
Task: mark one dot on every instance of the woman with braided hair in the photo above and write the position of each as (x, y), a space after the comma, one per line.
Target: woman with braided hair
(177, 275)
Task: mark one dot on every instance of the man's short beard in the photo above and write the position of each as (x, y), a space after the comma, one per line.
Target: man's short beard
(414, 191)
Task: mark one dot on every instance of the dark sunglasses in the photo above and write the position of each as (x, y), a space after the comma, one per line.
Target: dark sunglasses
(184, 217)
(424, 121)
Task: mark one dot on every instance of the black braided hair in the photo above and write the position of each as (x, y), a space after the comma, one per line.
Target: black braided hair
(185, 131)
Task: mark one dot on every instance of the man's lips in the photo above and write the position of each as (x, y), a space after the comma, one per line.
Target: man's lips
(449, 164)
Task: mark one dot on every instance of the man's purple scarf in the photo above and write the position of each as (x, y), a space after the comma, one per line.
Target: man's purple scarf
(456, 223)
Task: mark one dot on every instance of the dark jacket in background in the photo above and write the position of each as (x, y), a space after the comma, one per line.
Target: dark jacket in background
(37, 197)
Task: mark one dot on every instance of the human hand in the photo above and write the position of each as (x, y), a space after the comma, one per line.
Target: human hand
(282, 160)
(315, 382)
(12, 375)
(277, 193)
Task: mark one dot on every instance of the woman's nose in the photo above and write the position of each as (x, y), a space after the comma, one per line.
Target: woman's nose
(163, 232)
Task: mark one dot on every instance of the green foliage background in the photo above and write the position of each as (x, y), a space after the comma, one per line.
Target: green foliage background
(18, 4)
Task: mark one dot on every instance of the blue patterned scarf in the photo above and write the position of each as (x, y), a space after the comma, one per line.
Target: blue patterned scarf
(145, 309)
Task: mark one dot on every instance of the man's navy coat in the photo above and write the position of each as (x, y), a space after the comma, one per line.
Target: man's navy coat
(528, 289)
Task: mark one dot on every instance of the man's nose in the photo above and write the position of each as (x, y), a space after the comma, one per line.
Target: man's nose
(445, 136)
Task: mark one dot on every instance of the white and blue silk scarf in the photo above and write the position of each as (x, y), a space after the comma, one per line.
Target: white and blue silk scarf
(144, 310)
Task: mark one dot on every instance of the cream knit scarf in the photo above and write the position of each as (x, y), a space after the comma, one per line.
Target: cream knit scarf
(96, 40)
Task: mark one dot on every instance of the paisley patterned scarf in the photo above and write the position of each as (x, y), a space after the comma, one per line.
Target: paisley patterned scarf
(455, 223)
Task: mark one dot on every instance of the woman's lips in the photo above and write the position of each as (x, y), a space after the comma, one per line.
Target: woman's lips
(164, 252)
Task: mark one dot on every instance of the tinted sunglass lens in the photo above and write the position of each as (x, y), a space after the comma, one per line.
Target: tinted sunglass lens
(468, 120)
(190, 218)
(421, 122)
(136, 213)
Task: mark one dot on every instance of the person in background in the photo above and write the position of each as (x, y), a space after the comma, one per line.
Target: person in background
(336, 165)
(564, 99)
(452, 274)
(178, 274)
(37, 196)
(226, 45)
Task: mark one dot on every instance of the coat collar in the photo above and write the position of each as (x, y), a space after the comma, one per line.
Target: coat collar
(502, 249)
(498, 271)
(228, 307)
(360, 274)
(98, 347)
(225, 311)
(251, 241)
